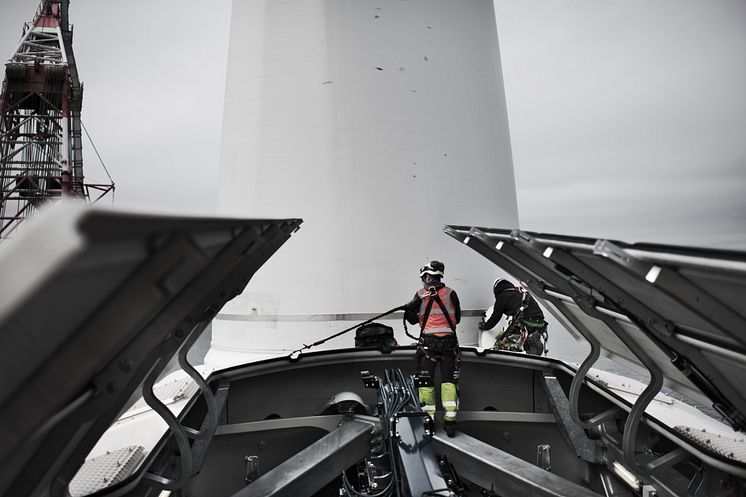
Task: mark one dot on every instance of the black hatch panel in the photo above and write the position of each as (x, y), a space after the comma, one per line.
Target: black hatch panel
(91, 300)
(676, 313)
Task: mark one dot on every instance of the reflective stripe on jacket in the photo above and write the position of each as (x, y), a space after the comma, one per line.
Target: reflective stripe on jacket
(437, 323)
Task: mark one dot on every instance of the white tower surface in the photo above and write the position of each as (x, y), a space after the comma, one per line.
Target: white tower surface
(377, 123)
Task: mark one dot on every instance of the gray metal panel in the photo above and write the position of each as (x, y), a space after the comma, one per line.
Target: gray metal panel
(106, 470)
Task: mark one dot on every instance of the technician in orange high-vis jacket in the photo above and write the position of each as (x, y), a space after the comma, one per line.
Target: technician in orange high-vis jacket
(437, 310)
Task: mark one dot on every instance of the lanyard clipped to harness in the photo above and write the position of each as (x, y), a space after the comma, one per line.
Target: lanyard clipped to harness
(424, 319)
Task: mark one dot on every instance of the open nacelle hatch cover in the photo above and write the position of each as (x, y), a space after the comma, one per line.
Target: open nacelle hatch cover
(91, 300)
(675, 313)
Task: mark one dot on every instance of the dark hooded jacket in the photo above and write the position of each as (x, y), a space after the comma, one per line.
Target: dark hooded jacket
(508, 301)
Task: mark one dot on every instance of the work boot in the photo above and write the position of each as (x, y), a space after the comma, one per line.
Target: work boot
(450, 427)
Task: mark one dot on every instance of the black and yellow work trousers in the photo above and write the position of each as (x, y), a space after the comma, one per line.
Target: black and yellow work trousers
(427, 360)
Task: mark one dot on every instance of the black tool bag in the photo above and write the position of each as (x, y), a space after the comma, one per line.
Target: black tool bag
(375, 335)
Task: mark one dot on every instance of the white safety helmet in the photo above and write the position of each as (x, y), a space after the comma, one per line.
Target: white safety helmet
(435, 268)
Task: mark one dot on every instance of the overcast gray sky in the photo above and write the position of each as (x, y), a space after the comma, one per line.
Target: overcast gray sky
(628, 119)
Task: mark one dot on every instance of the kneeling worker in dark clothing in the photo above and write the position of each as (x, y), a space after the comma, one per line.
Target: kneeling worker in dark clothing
(527, 328)
(437, 310)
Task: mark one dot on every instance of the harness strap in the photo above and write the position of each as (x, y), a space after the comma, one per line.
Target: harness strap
(445, 313)
(434, 297)
(517, 318)
(524, 303)
(427, 312)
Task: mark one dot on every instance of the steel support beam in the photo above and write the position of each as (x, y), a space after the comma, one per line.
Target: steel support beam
(505, 474)
(584, 447)
(327, 423)
(315, 466)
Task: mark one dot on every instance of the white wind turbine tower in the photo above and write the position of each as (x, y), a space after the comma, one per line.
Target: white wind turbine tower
(377, 123)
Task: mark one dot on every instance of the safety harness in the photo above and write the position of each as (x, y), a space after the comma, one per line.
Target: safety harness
(519, 330)
(429, 344)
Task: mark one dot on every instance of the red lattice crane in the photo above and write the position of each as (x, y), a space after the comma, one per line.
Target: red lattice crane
(41, 153)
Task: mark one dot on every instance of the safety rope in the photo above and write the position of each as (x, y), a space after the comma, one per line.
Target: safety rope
(296, 353)
(406, 330)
